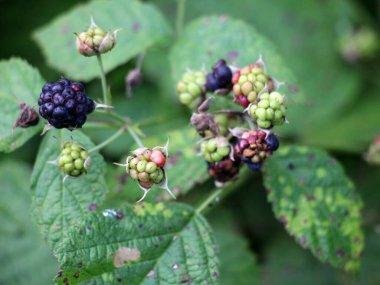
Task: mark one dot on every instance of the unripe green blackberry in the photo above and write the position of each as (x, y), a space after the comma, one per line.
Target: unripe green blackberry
(74, 159)
(147, 166)
(248, 82)
(268, 110)
(215, 149)
(191, 88)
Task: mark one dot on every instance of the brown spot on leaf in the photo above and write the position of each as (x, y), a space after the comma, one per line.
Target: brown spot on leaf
(124, 255)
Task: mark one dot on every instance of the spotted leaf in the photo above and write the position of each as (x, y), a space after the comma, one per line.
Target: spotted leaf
(142, 244)
(58, 203)
(316, 202)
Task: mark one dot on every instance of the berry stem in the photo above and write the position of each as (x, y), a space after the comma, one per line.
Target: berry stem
(209, 200)
(109, 140)
(133, 130)
(135, 137)
(180, 16)
(106, 94)
(218, 194)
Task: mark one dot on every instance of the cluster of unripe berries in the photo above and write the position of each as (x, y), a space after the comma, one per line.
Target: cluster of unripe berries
(255, 90)
(74, 159)
(147, 167)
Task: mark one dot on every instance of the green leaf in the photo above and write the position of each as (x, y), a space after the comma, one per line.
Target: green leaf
(141, 23)
(59, 204)
(353, 130)
(208, 39)
(19, 83)
(151, 244)
(316, 201)
(237, 264)
(24, 257)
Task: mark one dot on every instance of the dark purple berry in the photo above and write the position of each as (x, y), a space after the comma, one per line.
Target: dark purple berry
(90, 105)
(273, 142)
(47, 86)
(68, 92)
(57, 99)
(64, 104)
(211, 83)
(219, 63)
(80, 109)
(224, 76)
(80, 98)
(46, 109)
(46, 97)
(220, 78)
(57, 88)
(80, 121)
(70, 105)
(64, 81)
(254, 166)
(59, 113)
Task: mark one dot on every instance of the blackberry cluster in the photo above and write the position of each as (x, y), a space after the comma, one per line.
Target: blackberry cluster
(64, 104)
(268, 110)
(74, 159)
(225, 170)
(215, 149)
(248, 82)
(220, 77)
(147, 167)
(254, 147)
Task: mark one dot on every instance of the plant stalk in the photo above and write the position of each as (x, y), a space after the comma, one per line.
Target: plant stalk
(106, 94)
(180, 16)
(110, 139)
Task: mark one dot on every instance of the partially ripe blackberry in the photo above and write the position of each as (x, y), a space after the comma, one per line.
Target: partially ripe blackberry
(215, 149)
(248, 82)
(254, 147)
(190, 88)
(64, 104)
(268, 110)
(147, 167)
(225, 170)
(74, 159)
(220, 78)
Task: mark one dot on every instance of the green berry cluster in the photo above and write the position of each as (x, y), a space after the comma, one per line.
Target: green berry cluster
(215, 149)
(268, 110)
(74, 159)
(190, 88)
(142, 167)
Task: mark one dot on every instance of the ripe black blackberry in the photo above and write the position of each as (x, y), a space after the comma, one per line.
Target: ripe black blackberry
(64, 104)
(220, 78)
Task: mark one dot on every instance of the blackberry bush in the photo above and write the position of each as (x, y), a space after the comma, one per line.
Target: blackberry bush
(114, 225)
